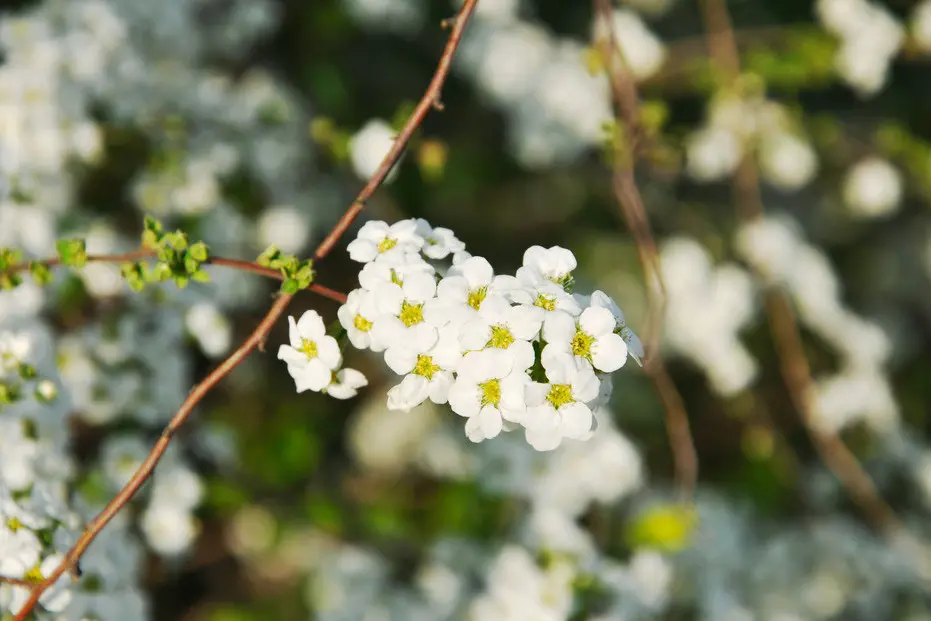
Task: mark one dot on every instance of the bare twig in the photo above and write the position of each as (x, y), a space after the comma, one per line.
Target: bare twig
(626, 103)
(782, 321)
(430, 98)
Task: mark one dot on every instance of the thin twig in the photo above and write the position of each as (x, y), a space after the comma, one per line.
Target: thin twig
(145, 470)
(782, 321)
(144, 254)
(626, 103)
(430, 101)
(430, 98)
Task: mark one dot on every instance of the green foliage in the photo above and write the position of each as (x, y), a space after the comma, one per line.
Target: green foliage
(297, 274)
(177, 258)
(8, 260)
(72, 252)
(40, 273)
(665, 527)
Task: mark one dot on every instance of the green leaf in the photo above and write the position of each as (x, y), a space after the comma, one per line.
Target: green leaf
(72, 252)
(40, 273)
(200, 276)
(290, 286)
(269, 255)
(198, 252)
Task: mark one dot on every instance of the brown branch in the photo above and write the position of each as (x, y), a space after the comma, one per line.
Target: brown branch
(145, 470)
(144, 254)
(626, 103)
(430, 100)
(780, 315)
(257, 338)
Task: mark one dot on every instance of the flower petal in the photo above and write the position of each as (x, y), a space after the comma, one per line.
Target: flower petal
(419, 287)
(609, 353)
(291, 356)
(596, 321)
(400, 359)
(315, 376)
(558, 327)
(328, 352)
(477, 271)
(575, 420)
(411, 392)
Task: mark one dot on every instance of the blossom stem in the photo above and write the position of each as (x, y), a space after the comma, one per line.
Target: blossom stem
(625, 100)
(237, 264)
(258, 336)
(783, 323)
(429, 101)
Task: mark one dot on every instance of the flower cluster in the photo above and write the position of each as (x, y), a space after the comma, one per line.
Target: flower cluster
(504, 351)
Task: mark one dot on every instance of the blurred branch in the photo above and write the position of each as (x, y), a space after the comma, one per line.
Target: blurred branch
(430, 100)
(626, 103)
(258, 336)
(783, 323)
(144, 254)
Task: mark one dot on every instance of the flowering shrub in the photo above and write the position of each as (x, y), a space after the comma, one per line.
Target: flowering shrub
(768, 164)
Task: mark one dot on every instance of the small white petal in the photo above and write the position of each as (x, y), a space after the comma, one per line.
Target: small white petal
(596, 321)
(609, 353)
(576, 420)
(558, 327)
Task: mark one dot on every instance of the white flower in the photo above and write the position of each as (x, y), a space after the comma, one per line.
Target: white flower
(921, 25)
(286, 227)
(121, 457)
(461, 294)
(392, 268)
(439, 242)
(177, 486)
(429, 373)
(19, 455)
(712, 153)
(530, 288)
(401, 322)
(210, 328)
(312, 356)
(369, 146)
(634, 345)
(502, 326)
(376, 238)
(489, 389)
(554, 264)
(872, 188)
(558, 409)
(590, 339)
(168, 530)
(346, 384)
(358, 316)
(788, 162)
(643, 52)
(19, 549)
(55, 599)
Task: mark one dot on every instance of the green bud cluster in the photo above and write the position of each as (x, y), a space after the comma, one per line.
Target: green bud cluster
(297, 274)
(177, 259)
(8, 260)
(72, 252)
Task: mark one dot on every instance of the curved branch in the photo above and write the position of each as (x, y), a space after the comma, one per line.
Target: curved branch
(430, 99)
(626, 103)
(143, 254)
(783, 324)
(257, 338)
